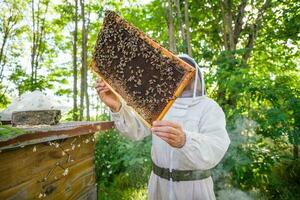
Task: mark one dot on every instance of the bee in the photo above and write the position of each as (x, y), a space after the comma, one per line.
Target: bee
(131, 78)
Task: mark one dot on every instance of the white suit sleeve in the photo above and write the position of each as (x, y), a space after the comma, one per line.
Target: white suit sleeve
(206, 148)
(128, 124)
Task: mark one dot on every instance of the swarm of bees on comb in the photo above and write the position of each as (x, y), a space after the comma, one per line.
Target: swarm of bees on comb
(142, 75)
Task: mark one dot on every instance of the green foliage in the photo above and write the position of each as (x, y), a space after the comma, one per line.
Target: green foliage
(7, 132)
(284, 183)
(4, 99)
(255, 163)
(103, 117)
(121, 165)
(114, 193)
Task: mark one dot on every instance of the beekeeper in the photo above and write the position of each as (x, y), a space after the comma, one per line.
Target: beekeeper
(186, 145)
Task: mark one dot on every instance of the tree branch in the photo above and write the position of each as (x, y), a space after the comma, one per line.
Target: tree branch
(254, 29)
(3, 94)
(239, 21)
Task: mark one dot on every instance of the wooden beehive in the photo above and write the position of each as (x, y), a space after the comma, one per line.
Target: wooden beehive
(53, 162)
(147, 76)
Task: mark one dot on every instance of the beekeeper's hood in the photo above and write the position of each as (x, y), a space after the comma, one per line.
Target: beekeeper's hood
(198, 88)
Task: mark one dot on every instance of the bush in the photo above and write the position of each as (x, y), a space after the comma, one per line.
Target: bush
(257, 165)
(122, 166)
(284, 182)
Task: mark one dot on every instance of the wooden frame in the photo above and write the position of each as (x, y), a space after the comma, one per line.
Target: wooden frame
(189, 70)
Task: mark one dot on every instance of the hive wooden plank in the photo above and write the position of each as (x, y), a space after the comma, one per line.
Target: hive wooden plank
(35, 135)
(22, 164)
(145, 75)
(77, 183)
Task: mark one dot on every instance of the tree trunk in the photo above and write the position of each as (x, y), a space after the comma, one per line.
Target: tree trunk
(228, 35)
(171, 31)
(83, 89)
(229, 45)
(87, 103)
(181, 26)
(5, 37)
(38, 32)
(187, 27)
(33, 47)
(82, 82)
(2, 59)
(75, 70)
(82, 71)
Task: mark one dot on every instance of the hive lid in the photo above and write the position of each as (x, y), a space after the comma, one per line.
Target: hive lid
(145, 75)
(15, 138)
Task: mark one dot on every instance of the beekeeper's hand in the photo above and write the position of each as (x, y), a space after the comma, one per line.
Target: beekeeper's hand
(170, 132)
(107, 96)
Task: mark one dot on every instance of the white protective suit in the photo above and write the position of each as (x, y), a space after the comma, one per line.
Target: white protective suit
(203, 122)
